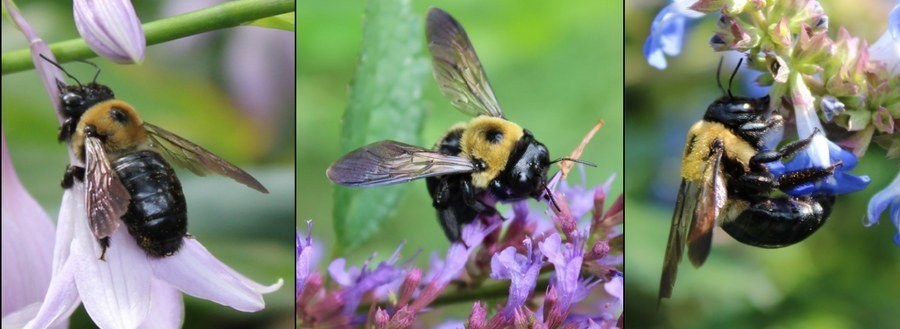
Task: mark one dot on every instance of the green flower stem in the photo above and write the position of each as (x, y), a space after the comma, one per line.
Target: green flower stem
(223, 16)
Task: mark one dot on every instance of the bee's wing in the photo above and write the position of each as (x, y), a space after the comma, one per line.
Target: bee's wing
(197, 159)
(107, 199)
(696, 208)
(390, 162)
(710, 199)
(456, 67)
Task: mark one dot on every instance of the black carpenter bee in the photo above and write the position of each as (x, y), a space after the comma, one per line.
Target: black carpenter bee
(487, 155)
(125, 174)
(725, 179)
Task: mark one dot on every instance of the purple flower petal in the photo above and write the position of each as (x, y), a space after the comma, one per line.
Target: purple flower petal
(667, 32)
(166, 308)
(115, 292)
(27, 242)
(196, 272)
(61, 300)
(888, 197)
(111, 28)
(521, 270)
(304, 259)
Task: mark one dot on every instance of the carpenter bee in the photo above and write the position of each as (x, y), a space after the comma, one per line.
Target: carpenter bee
(486, 158)
(725, 179)
(125, 174)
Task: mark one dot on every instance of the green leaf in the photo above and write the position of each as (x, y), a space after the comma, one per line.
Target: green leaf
(279, 22)
(385, 104)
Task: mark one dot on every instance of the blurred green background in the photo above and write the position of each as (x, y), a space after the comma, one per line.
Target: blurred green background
(844, 276)
(555, 69)
(193, 87)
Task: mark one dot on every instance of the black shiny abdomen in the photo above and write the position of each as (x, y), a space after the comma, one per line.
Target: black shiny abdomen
(157, 213)
(780, 222)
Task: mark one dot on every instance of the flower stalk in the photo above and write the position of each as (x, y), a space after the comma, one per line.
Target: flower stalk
(226, 15)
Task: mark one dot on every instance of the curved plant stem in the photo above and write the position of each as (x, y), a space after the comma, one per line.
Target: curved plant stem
(223, 16)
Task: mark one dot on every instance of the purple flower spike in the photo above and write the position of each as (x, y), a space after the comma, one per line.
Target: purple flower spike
(521, 270)
(358, 281)
(27, 248)
(888, 197)
(111, 28)
(304, 258)
(667, 32)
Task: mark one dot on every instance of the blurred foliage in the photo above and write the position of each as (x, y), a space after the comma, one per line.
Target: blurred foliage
(386, 88)
(183, 87)
(554, 68)
(844, 276)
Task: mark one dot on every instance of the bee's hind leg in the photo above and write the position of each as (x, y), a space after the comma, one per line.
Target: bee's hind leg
(71, 174)
(104, 244)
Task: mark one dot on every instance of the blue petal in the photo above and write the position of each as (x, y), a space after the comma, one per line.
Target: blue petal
(894, 22)
(666, 36)
(841, 183)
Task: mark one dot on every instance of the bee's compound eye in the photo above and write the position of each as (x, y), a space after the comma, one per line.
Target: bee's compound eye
(118, 115)
(72, 99)
(494, 136)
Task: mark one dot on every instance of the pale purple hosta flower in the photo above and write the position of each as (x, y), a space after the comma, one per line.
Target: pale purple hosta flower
(888, 197)
(128, 289)
(111, 28)
(27, 249)
(887, 48)
(522, 270)
(667, 32)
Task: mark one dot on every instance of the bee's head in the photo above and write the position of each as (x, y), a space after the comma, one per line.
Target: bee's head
(526, 171)
(76, 99)
(734, 112)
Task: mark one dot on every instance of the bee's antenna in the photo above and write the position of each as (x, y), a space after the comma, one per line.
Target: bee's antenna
(718, 75)
(96, 74)
(61, 69)
(732, 76)
(589, 164)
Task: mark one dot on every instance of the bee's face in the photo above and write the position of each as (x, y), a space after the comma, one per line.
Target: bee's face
(78, 99)
(526, 172)
(734, 112)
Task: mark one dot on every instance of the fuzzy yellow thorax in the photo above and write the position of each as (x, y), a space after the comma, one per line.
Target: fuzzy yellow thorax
(495, 155)
(118, 137)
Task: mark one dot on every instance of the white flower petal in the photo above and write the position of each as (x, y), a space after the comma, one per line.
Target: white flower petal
(167, 308)
(61, 299)
(115, 292)
(198, 273)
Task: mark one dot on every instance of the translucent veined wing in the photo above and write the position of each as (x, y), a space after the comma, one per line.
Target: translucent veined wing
(200, 161)
(390, 162)
(456, 67)
(696, 208)
(107, 199)
(710, 200)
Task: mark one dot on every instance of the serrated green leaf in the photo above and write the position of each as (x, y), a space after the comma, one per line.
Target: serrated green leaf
(385, 104)
(281, 22)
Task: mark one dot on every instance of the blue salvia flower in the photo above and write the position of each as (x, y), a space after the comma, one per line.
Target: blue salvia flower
(887, 48)
(667, 32)
(889, 197)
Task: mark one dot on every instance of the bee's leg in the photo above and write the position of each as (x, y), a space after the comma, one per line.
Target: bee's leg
(808, 175)
(72, 173)
(440, 192)
(66, 129)
(104, 244)
(788, 150)
(780, 222)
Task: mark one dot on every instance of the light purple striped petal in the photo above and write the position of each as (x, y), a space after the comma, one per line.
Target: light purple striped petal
(111, 28)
